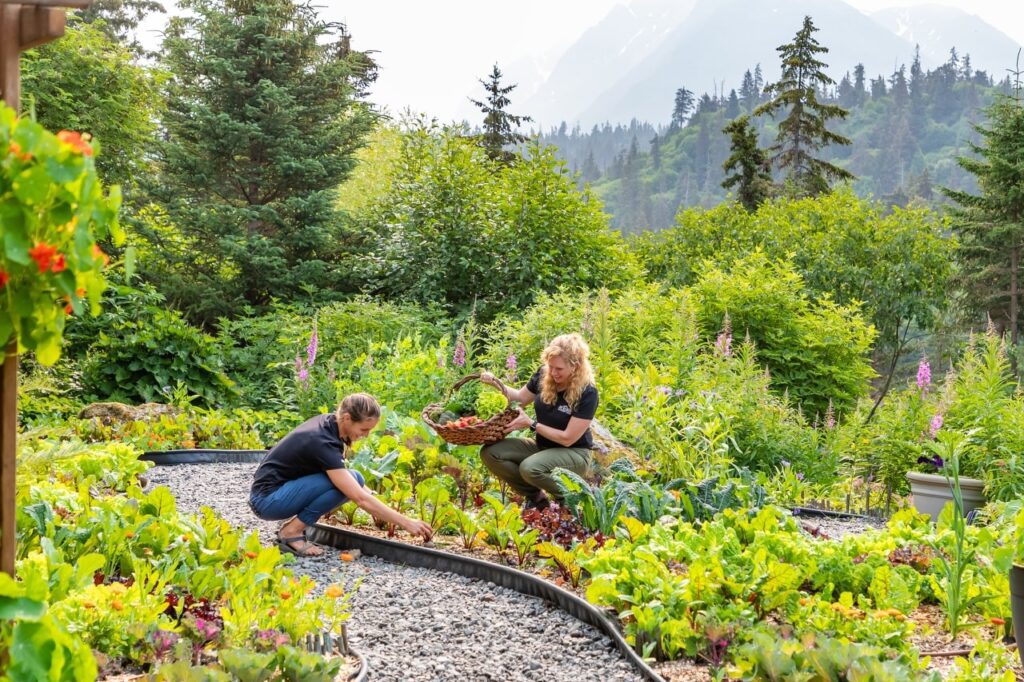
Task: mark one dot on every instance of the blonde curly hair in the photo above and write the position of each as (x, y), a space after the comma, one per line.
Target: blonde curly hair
(575, 352)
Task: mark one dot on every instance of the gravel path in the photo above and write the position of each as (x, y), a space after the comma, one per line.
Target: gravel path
(416, 624)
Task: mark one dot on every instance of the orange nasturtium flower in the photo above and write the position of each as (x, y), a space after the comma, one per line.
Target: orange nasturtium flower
(43, 254)
(98, 252)
(59, 264)
(333, 591)
(77, 140)
(15, 149)
(4, 278)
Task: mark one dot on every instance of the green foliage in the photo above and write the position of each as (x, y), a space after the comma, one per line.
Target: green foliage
(87, 82)
(896, 264)
(816, 353)
(141, 359)
(53, 210)
(481, 233)
(119, 18)
(979, 396)
(263, 117)
(749, 163)
(991, 224)
(802, 132)
(499, 125)
(770, 657)
(37, 645)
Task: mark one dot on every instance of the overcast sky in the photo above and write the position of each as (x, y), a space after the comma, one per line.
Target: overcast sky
(431, 54)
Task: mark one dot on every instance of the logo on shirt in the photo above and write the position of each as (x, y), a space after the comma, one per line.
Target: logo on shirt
(564, 408)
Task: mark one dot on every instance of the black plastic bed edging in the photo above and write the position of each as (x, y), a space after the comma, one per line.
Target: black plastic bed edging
(828, 513)
(165, 457)
(363, 673)
(503, 576)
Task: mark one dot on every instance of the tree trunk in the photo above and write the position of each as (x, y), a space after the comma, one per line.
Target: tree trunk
(8, 459)
(1014, 304)
(897, 351)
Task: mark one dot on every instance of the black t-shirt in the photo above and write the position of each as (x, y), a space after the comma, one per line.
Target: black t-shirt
(558, 415)
(314, 447)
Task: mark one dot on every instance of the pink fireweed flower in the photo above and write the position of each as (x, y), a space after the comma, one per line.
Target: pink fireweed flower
(511, 363)
(924, 375)
(723, 344)
(830, 417)
(459, 357)
(935, 425)
(314, 344)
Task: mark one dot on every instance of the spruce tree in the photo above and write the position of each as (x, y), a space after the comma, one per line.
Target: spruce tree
(749, 164)
(803, 132)
(748, 92)
(499, 125)
(263, 118)
(120, 18)
(682, 106)
(990, 225)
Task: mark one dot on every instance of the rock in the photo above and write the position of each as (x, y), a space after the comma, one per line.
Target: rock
(112, 412)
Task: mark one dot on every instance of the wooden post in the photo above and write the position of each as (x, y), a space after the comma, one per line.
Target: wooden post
(10, 92)
(22, 26)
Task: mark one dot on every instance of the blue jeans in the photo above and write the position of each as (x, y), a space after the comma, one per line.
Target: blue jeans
(309, 498)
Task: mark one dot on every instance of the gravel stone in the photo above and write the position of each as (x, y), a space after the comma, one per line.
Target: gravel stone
(416, 624)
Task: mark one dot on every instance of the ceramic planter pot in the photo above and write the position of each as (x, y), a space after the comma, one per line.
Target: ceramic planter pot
(931, 493)
(1017, 605)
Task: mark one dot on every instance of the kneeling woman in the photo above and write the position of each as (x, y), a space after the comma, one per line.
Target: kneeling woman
(565, 401)
(304, 476)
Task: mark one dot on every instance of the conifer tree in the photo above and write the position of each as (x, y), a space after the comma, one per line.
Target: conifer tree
(499, 125)
(990, 225)
(264, 115)
(120, 18)
(749, 164)
(748, 92)
(682, 106)
(860, 92)
(732, 105)
(803, 132)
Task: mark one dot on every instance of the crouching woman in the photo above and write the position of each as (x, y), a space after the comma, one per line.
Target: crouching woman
(565, 400)
(304, 477)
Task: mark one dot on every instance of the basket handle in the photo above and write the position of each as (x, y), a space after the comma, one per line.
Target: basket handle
(476, 377)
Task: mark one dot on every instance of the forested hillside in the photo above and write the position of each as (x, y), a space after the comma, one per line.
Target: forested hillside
(907, 130)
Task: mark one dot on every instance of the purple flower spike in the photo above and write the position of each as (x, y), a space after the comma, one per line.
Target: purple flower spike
(799, 476)
(314, 344)
(924, 375)
(724, 344)
(511, 363)
(459, 357)
(935, 425)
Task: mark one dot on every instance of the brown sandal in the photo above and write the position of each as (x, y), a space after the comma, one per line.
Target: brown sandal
(285, 545)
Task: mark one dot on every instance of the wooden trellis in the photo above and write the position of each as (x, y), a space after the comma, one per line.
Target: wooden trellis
(23, 25)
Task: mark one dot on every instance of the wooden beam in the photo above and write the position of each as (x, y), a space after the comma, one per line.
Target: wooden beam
(10, 30)
(10, 92)
(40, 25)
(76, 4)
(8, 456)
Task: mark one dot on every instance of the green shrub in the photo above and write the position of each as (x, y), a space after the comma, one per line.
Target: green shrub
(140, 359)
(816, 353)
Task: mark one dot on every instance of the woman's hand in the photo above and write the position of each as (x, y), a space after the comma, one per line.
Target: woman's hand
(417, 527)
(521, 421)
(488, 378)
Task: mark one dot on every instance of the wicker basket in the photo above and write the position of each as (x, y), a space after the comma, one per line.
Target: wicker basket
(481, 433)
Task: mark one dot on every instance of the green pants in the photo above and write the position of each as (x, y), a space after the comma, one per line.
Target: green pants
(527, 468)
